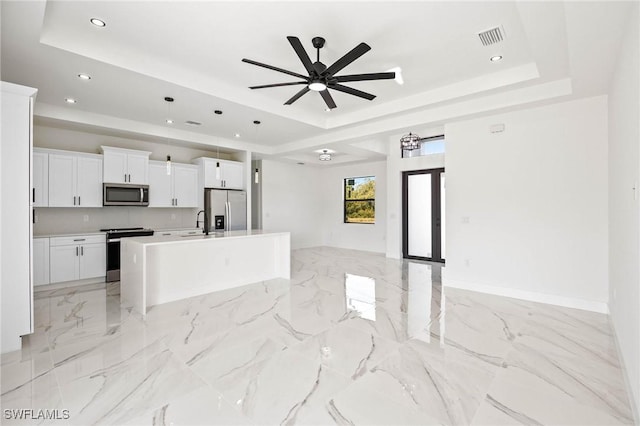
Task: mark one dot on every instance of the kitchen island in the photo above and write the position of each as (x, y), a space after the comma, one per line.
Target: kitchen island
(161, 269)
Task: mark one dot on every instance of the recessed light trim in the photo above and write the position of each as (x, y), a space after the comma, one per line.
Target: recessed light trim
(217, 112)
(98, 22)
(237, 135)
(169, 121)
(70, 100)
(256, 121)
(84, 76)
(496, 58)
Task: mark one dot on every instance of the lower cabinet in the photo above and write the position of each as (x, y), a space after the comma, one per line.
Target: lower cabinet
(77, 257)
(40, 261)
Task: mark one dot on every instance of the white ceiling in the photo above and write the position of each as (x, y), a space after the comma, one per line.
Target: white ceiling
(192, 51)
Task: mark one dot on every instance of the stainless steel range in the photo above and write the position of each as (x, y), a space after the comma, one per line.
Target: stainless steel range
(113, 248)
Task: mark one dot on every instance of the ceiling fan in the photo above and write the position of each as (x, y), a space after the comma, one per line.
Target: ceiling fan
(321, 78)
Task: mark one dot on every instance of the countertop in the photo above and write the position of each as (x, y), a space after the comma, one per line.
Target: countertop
(72, 234)
(170, 239)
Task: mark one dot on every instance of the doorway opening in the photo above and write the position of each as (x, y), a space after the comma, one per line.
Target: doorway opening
(423, 201)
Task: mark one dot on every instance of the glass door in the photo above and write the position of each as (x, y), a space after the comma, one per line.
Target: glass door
(423, 215)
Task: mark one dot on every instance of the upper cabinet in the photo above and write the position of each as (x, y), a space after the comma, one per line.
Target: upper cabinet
(75, 180)
(40, 179)
(125, 165)
(178, 189)
(215, 173)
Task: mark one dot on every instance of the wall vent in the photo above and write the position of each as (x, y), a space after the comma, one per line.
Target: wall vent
(491, 36)
(192, 123)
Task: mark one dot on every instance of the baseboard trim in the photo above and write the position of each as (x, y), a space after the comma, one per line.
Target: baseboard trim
(550, 299)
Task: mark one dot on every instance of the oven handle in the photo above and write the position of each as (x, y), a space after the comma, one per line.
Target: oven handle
(114, 240)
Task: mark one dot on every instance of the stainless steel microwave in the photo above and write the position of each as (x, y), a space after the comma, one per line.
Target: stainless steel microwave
(125, 194)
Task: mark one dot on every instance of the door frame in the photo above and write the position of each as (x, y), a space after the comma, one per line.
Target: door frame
(436, 219)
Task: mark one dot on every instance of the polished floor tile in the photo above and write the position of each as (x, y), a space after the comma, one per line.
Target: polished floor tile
(352, 338)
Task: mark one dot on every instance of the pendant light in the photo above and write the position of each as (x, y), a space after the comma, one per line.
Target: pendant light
(169, 100)
(256, 178)
(256, 174)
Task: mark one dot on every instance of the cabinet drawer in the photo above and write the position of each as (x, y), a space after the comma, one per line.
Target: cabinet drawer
(77, 240)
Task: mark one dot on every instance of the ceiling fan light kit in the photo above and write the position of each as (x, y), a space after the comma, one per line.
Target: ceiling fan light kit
(321, 78)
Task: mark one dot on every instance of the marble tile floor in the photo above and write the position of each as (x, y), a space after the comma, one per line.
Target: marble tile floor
(352, 338)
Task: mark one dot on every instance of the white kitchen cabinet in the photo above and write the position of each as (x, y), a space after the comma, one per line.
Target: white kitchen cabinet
(231, 175)
(125, 165)
(40, 176)
(75, 180)
(40, 261)
(77, 257)
(16, 282)
(179, 189)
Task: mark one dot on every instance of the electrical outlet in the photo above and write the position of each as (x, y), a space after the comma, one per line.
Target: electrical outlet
(85, 218)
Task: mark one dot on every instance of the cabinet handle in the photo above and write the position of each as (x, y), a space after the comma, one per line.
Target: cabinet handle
(176, 201)
(76, 250)
(166, 234)
(125, 177)
(141, 194)
(129, 177)
(79, 239)
(74, 200)
(81, 250)
(79, 203)
(33, 195)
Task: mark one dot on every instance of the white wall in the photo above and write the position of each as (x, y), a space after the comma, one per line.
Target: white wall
(624, 217)
(357, 236)
(292, 201)
(536, 201)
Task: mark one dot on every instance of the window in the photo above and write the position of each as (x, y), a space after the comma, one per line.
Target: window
(360, 200)
(428, 146)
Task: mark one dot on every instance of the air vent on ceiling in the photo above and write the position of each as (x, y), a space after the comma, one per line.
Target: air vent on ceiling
(192, 123)
(491, 36)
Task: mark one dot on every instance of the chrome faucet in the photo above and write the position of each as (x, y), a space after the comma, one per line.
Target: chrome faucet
(205, 223)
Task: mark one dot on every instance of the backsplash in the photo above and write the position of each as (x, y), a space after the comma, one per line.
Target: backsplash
(51, 220)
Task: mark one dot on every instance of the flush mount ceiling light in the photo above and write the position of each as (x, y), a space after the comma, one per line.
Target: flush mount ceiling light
(84, 76)
(169, 100)
(410, 141)
(70, 100)
(98, 22)
(317, 86)
(496, 58)
(325, 156)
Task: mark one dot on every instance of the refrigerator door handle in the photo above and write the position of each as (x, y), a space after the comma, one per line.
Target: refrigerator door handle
(228, 206)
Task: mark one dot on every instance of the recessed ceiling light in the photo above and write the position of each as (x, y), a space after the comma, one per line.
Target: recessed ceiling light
(327, 109)
(169, 121)
(98, 22)
(217, 112)
(70, 100)
(256, 121)
(398, 79)
(237, 135)
(496, 58)
(84, 76)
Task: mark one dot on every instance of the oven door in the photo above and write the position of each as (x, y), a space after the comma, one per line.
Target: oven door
(125, 195)
(113, 260)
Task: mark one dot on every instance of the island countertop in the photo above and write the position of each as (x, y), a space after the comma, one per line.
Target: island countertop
(164, 239)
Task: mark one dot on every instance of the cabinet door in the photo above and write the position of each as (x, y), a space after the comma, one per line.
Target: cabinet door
(40, 261)
(160, 194)
(92, 260)
(62, 180)
(185, 185)
(210, 179)
(233, 174)
(89, 182)
(40, 179)
(115, 167)
(63, 263)
(138, 168)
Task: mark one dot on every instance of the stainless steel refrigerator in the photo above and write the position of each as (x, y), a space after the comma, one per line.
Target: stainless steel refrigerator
(226, 209)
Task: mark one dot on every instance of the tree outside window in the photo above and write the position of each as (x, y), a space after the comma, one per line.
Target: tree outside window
(360, 200)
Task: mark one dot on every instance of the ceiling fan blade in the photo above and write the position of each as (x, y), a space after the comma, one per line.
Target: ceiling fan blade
(352, 91)
(351, 56)
(302, 54)
(271, 67)
(297, 96)
(328, 99)
(264, 86)
(365, 77)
